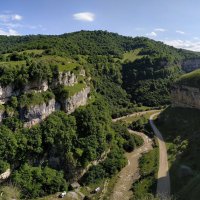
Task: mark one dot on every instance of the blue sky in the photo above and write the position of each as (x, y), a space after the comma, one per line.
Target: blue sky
(175, 22)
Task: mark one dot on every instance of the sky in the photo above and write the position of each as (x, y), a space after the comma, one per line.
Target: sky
(175, 22)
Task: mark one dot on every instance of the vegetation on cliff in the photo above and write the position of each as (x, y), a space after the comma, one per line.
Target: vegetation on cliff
(123, 72)
(180, 126)
(191, 79)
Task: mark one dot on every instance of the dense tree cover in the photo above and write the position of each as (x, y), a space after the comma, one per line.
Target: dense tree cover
(28, 71)
(130, 141)
(113, 164)
(142, 125)
(63, 143)
(37, 181)
(107, 80)
(149, 79)
(3, 166)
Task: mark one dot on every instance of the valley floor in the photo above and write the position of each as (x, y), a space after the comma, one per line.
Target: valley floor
(130, 173)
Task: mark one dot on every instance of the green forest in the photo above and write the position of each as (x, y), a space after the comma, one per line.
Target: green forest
(125, 75)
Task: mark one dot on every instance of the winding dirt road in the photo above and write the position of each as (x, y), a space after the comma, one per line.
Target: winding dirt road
(130, 172)
(163, 184)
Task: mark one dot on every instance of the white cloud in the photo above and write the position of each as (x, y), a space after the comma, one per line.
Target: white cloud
(16, 17)
(152, 34)
(84, 16)
(185, 44)
(9, 32)
(9, 17)
(159, 30)
(180, 32)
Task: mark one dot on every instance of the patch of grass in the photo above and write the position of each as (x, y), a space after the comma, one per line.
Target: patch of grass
(14, 63)
(35, 51)
(132, 119)
(67, 67)
(9, 192)
(146, 185)
(191, 79)
(64, 64)
(2, 108)
(72, 90)
(132, 55)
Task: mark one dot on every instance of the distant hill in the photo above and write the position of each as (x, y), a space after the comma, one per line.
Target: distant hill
(144, 68)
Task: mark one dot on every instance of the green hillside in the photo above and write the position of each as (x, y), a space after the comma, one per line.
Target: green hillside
(191, 79)
(125, 75)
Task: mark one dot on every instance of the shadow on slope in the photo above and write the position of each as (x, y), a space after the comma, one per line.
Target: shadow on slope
(181, 130)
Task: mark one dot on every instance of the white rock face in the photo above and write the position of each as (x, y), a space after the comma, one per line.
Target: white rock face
(6, 93)
(5, 175)
(37, 87)
(37, 113)
(184, 96)
(67, 78)
(79, 99)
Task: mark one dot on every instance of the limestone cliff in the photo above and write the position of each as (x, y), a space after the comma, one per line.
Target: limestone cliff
(36, 86)
(64, 78)
(36, 113)
(73, 102)
(185, 96)
(7, 92)
(190, 64)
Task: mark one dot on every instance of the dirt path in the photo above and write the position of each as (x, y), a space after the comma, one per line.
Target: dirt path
(163, 184)
(134, 115)
(130, 172)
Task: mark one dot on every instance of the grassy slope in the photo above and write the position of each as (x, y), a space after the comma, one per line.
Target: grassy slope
(74, 89)
(14, 63)
(191, 79)
(64, 64)
(132, 55)
(182, 134)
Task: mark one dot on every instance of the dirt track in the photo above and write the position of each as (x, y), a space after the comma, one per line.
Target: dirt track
(130, 173)
(163, 184)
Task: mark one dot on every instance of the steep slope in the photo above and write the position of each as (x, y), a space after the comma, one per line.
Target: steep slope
(185, 92)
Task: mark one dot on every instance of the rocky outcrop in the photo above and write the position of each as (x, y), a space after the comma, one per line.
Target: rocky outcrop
(64, 78)
(190, 64)
(36, 86)
(5, 175)
(7, 92)
(36, 113)
(67, 78)
(79, 99)
(185, 96)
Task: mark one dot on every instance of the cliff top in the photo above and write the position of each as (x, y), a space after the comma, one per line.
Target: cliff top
(191, 79)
